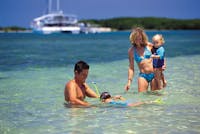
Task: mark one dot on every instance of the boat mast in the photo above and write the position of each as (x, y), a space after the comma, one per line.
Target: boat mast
(49, 6)
(53, 5)
(58, 5)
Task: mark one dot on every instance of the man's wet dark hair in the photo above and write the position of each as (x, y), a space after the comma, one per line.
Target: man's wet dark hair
(80, 66)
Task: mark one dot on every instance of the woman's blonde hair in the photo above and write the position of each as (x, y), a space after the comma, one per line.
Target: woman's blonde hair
(138, 31)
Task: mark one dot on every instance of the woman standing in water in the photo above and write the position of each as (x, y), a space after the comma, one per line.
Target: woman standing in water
(141, 52)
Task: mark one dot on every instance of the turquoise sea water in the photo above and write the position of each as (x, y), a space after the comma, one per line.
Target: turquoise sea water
(34, 70)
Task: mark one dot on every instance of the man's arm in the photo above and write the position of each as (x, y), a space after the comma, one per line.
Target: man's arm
(90, 92)
(70, 93)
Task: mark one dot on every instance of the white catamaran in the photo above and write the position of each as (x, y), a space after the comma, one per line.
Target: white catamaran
(55, 22)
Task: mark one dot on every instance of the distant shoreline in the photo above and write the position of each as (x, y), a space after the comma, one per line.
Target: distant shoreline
(128, 30)
(25, 31)
(127, 23)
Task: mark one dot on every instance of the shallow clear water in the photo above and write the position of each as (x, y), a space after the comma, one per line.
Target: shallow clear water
(35, 68)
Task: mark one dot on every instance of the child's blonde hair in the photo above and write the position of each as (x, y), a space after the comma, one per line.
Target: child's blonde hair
(161, 37)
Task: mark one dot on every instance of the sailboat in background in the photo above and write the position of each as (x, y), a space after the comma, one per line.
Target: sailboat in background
(55, 21)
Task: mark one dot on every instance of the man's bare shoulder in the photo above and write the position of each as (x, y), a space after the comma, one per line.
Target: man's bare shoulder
(70, 84)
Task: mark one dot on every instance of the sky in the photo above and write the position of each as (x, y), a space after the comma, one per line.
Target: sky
(22, 12)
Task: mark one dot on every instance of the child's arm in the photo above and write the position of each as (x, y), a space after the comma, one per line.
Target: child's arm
(135, 104)
(159, 53)
(119, 97)
(155, 56)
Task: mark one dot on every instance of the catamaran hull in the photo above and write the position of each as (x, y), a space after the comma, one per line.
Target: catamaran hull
(49, 30)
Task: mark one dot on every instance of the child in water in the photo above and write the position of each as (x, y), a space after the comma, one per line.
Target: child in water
(158, 60)
(118, 100)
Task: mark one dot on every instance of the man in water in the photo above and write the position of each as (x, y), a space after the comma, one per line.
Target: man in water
(76, 89)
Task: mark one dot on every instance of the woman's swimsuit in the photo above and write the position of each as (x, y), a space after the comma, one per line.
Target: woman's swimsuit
(148, 77)
(138, 59)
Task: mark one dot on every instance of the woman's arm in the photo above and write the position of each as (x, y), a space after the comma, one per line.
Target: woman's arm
(130, 69)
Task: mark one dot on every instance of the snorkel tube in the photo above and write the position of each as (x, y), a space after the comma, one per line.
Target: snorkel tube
(96, 88)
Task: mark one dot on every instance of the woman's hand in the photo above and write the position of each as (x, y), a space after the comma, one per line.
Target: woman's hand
(128, 85)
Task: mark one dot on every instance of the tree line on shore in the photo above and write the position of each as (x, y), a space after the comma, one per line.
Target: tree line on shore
(126, 23)
(13, 28)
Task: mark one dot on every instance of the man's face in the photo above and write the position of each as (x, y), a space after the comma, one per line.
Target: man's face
(83, 75)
